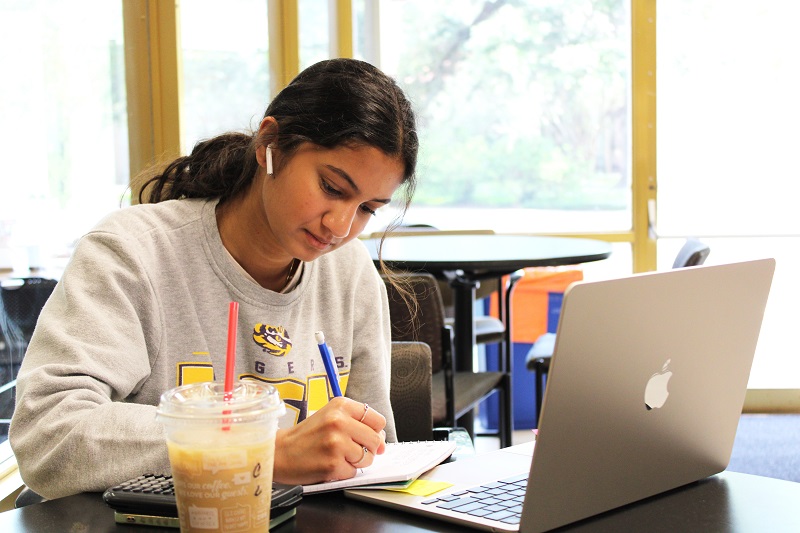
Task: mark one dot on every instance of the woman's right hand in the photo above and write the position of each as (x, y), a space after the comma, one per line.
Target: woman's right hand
(331, 444)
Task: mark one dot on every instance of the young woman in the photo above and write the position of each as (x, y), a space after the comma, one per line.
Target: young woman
(269, 220)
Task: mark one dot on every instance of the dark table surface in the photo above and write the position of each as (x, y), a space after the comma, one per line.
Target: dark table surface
(726, 502)
(483, 255)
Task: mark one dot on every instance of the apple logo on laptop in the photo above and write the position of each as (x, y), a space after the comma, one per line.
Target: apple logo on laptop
(655, 393)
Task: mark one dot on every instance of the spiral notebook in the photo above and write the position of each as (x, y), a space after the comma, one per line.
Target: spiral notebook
(401, 463)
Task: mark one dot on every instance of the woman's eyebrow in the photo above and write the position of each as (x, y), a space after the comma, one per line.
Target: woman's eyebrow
(345, 176)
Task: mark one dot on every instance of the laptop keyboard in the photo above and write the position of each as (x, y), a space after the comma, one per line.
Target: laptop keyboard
(499, 500)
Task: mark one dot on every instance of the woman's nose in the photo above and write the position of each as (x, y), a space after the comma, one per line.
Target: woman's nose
(339, 221)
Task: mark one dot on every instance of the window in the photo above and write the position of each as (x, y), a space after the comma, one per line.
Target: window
(225, 57)
(523, 110)
(64, 141)
(314, 31)
(727, 106)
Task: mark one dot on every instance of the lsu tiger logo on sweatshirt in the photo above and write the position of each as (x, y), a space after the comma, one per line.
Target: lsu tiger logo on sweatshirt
(273, 339)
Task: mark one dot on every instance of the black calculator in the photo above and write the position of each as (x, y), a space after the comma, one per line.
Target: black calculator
(150, 500)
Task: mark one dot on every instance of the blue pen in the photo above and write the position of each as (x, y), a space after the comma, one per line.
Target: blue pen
(329, 362)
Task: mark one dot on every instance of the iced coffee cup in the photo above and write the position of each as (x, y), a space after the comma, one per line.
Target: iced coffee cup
(221, 450)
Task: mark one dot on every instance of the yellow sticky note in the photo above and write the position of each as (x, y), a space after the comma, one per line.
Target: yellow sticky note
(423, 487)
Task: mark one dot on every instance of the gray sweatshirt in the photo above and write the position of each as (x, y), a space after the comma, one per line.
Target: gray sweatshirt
(142, 307)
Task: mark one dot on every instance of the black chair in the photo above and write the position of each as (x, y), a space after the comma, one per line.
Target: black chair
(20, 304)
(410, 391)
(488, 329)
(454, 393)
(693, 253)
(21, 301)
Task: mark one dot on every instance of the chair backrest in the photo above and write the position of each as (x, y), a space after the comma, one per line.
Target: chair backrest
(692, 253)
(411, 391)
(21, 301)
(428, 325)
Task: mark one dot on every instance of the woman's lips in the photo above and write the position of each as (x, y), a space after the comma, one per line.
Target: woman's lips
(316, 242)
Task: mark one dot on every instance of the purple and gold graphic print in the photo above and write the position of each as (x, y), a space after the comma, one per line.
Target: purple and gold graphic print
(273, 339)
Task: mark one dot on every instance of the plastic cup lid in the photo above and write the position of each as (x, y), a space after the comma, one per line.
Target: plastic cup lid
(209, 400)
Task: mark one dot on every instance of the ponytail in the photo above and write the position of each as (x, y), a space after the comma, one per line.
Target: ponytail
(221, 167)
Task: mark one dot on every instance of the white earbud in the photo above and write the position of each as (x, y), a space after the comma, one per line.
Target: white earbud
(269, 159)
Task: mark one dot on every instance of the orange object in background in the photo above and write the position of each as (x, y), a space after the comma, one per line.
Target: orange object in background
(531, 301)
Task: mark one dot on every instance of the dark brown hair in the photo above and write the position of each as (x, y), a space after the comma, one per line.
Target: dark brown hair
(336, 102)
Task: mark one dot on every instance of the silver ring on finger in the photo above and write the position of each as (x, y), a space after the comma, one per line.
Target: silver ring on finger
(366, 408)
(363, 456)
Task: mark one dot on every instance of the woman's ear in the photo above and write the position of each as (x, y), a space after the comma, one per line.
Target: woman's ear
(268, 129)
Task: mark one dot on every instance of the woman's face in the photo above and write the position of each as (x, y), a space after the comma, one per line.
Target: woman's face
(323, 198)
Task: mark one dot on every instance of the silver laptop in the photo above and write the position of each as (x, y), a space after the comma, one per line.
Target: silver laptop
(645, 390)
